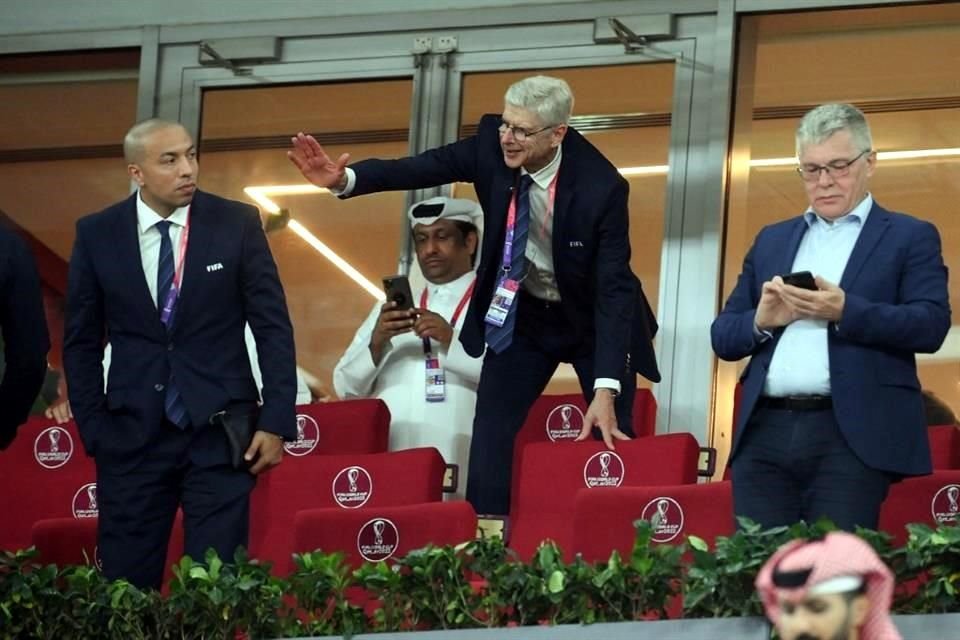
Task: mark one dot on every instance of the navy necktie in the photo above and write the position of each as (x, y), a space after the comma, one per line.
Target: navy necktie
(499, 338)
(173, 405)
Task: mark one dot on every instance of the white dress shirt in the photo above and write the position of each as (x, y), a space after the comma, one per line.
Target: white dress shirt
(149, 237)
(540, 278)
(801, 361)
(400, 381)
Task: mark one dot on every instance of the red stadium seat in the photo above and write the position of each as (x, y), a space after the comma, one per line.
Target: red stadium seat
(945, 447)
(603, 520)
(552, 475)
(69, 541)
(350, 426)
(345, 482)
(376, 534)
(45, 474)
(931, 500)
(559, 418)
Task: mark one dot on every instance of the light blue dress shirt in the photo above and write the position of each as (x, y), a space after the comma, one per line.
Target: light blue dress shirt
(801, 361)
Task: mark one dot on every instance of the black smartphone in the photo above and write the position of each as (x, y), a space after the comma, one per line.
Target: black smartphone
(397, 289)
(801, 279)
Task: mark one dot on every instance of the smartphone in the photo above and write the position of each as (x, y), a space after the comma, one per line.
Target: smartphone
(397, 289)
(801, 279)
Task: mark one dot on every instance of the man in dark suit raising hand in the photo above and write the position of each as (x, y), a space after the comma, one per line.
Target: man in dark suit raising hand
(553, 283)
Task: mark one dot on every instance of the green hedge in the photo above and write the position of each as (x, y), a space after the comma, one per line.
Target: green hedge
(478, 584)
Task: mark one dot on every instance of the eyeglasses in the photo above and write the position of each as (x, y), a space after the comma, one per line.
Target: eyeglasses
(835, 169)
(519, 133)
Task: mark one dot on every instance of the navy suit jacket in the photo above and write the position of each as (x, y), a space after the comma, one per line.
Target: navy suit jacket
(896, 305)
(229, 279)
(25, 338)
(599, 293)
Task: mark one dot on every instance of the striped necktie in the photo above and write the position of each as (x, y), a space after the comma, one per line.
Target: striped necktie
(499, 338)
(173, 405)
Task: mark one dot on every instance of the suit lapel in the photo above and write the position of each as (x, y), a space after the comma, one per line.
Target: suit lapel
(200, 238)
(127, 246)
(793, 245)
(566, 175)
(873, 229)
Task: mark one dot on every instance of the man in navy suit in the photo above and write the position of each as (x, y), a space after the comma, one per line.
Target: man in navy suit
(556, 253)
(170, 276)
(25, 340)
(831, 406)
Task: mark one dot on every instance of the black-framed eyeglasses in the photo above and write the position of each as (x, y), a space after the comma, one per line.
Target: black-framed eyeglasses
(519, 133)
(835, 169)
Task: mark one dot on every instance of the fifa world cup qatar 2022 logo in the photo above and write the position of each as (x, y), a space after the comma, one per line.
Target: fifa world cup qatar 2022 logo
(308, 434)
(665, 516)
(378, 540)
(85, 501)
(53, 447)
(945, 505)
(604, 469)
(352, 487)
(564, 422)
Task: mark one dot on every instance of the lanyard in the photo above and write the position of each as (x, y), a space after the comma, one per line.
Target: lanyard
(170, 297)
(512, 220)
(456, 312)
(184, 239)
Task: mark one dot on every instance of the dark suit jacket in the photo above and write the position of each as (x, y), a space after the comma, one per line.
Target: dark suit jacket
(229, 278)
(896, 305)
(25, 338)
(591, 249)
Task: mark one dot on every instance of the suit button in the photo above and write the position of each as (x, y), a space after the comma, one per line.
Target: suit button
(158, 387)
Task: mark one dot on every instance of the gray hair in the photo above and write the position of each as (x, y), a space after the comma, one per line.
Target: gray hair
(550, 98)
(133, 141)
(822, 122)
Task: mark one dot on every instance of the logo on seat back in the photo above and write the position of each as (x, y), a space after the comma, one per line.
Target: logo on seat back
(53, 447)
(945, 505)
(352, 487)
(85, 501)
(308, 434)
(604, 469)
(665, 516)
(564, 422)
(378, 540)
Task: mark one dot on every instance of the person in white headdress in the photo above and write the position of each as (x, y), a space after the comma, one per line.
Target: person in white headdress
(413, 360)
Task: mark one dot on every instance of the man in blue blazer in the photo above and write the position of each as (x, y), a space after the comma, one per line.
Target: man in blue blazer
(170, 276)
(565, 294)
(25, 339)
(831, 406)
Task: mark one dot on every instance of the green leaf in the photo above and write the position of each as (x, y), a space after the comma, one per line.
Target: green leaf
(698, 543)
(555, 582)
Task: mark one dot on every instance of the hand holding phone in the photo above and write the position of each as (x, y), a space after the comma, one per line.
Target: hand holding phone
(801, 279)
(397, 289)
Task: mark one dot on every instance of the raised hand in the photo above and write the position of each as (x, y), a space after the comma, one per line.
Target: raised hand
(315, 165)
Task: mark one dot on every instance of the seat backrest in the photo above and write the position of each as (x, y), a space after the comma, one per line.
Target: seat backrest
(945, 446)
(45, 473)
(348, 426)
(603, 520)
(376, 534)
(346, 482)
(559, 418)
(69, 541)
(931, 500)
(551, 476)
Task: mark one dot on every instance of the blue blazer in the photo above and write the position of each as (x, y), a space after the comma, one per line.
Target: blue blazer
(896, 305)
(229, 279)
(599, 293)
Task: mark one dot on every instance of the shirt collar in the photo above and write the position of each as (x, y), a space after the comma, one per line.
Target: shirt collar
(545, 176)
(147, 217)
(455, 287)
(857, 215)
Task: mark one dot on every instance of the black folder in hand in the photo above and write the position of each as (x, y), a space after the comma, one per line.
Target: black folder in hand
(239, 422)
